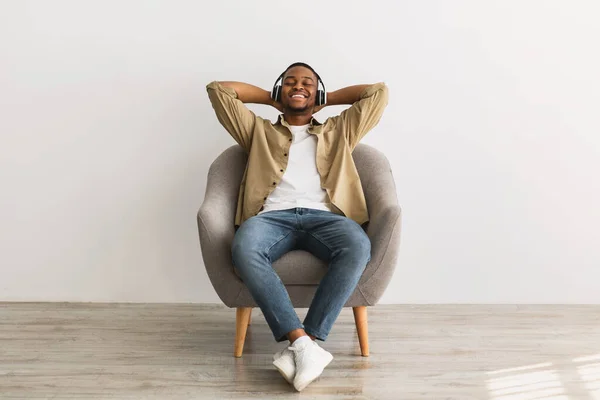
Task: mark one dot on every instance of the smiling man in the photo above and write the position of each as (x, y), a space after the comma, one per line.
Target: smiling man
(300, 190)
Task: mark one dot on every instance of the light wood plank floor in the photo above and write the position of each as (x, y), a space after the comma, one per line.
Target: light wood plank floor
(154, 351)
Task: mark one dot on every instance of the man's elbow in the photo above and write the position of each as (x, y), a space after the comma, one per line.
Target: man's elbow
(379, 92)
(219, 84)
(384, 93)
(221, 89)
(212, 85)
(382, 88)
(226, 84)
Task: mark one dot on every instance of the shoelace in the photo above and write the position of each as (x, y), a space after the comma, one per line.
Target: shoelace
(299, 349)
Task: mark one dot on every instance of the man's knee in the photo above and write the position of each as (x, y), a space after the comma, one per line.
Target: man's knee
(360, 236)
(244, 248)
(363, 246)
(359, 244)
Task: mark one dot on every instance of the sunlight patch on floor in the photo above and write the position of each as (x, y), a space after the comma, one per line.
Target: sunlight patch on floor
(529, 382)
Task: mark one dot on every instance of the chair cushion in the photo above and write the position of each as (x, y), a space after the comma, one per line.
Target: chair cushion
(299, 267)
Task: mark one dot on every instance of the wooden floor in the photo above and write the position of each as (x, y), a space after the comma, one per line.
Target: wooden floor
(117, 351)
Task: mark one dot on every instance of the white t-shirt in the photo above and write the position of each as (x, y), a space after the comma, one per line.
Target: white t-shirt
(300, 185)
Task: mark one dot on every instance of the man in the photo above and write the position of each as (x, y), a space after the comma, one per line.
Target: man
(300, 190)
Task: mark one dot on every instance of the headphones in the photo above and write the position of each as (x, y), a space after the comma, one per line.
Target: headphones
(321, 97)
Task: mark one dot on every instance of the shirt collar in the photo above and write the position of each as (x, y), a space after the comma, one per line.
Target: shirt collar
(315, 126)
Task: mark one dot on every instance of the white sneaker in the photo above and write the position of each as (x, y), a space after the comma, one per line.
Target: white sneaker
(284, 361)
(310, 361)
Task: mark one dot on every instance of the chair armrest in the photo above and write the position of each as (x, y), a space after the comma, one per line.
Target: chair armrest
(215, 224)
(384, 232)
(216, 218)
(216, 230)
(383, 228)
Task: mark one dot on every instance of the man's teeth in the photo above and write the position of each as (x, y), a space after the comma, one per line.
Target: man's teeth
(297, 95)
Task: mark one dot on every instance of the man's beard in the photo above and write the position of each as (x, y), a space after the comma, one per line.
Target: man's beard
(298, 110)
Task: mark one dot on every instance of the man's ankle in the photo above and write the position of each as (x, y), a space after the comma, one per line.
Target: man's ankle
(301, 340)
(295, 334)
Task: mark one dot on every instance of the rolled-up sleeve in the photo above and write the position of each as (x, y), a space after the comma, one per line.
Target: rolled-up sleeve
(235, 117)
(364, 114)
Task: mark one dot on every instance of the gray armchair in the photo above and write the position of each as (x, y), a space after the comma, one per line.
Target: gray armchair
(299, 270)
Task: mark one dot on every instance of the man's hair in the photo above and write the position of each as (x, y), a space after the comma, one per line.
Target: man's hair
(301, 64)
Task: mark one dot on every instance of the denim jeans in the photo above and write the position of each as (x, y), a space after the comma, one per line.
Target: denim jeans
(334, 238)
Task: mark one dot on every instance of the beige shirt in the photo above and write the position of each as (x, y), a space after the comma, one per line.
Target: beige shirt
(268, 144)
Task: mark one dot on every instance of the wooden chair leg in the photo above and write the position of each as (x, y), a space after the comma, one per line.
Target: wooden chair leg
(250, 318)
(362, 328)
(241, 327)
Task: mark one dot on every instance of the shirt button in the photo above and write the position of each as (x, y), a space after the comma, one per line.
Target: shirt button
(280, 170)
(290, 140)
(274, 183)
(265, 198)
(285, 154)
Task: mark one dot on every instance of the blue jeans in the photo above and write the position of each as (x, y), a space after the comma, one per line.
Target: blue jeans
(264, 238)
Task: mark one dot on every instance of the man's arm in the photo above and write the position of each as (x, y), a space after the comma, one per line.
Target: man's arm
(227, 99)
(248, 93)
(347, 95)
(368, 103)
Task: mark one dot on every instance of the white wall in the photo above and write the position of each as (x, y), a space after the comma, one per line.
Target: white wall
(492, 130)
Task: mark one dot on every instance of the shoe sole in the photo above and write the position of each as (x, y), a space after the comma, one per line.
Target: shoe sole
(306, 383)
(285, 370)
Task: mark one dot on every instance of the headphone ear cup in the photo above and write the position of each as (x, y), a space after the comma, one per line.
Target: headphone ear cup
(278, 94)
(277, 89)
(321, 93)
(320, 97)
